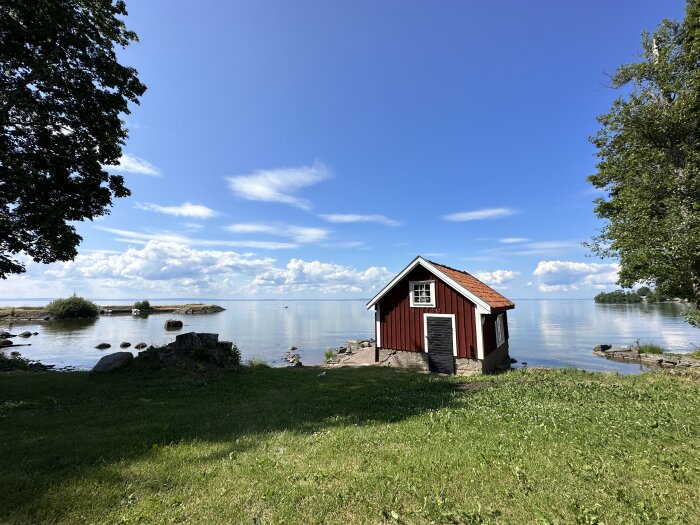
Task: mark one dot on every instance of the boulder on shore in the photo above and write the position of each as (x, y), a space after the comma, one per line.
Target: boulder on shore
(114, 361)
(173, 324)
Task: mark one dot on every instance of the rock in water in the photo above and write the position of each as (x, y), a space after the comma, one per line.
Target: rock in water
(5, 342)
(113, 362)
(125, 345)
(25, 334)
(141, 346)
(103, 346)
(173, 324)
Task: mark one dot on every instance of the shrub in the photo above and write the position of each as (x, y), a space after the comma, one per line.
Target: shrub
(330, 354)
(644, 291)
(235, 358)
(12, 362)
(649, 348)
(257, 363)
(73, 307)
(142, 305)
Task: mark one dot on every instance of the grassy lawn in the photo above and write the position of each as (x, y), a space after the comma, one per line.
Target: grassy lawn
(354, 446)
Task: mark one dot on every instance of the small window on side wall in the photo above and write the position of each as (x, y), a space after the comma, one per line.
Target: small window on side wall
(422, 294)
(500, 333)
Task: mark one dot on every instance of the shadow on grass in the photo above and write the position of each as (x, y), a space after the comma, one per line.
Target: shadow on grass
(58, 428)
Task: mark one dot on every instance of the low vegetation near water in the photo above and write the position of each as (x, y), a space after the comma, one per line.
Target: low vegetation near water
(73, 307)
(370, 445)
(643, 294)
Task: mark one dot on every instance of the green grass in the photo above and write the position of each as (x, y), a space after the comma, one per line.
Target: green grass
(363, 445)
(649, 348)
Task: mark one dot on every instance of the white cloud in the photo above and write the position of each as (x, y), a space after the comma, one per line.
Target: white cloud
(564, 276)
(302, 276)
(167, 269)
(187, 209)
(302, 234)
(345, 244)
(513, 240)
(133, 237)
(278, 185)
(547, 247)
(477, 215)
(497, 277)
(343, 218)
(132, 164)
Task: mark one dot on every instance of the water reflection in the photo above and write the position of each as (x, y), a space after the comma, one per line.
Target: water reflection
(542, 333)
(563, 332)
(68, 325)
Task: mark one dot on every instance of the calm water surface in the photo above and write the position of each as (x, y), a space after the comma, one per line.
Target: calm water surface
(542, 332)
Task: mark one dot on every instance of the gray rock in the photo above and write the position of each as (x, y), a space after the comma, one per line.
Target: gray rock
(292, 348)
(601, 348)
(173, 324)
(35, 333)
(112, 362)
(103, 346)
(25, 334)
(125, 345)
(185, 343)
(5, 335)
(141, 346)
(15, 353)
(5, 342)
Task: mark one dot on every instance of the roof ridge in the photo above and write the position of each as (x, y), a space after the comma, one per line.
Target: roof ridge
(475, 292)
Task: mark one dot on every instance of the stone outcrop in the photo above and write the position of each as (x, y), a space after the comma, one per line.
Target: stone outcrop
(190, 309)
(115, 361)
(202, 347)
(631, 354)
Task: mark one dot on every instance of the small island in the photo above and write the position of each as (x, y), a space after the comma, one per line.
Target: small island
(642, 295)
(78, 307)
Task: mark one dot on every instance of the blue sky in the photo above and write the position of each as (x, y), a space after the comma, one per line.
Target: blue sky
(312, 148)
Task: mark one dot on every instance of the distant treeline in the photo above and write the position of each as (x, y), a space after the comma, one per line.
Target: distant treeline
(622, 297)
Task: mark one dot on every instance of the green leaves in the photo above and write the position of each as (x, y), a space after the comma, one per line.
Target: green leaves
(649, 167)
(62, 94)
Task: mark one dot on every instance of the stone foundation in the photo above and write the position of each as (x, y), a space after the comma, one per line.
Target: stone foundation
(404, 359)
(468, 367)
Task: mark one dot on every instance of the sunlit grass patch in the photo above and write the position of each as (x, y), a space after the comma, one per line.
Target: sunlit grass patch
(354, 446)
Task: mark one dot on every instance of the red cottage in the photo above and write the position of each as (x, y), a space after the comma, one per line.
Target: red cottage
(433, 316)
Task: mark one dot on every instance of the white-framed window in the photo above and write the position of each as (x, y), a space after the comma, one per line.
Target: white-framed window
(500, 333)
(422, 294)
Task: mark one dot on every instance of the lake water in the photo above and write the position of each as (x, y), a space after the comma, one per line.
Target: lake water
(542, 332)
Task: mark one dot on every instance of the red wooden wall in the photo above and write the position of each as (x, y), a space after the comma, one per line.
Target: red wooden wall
(402, 326)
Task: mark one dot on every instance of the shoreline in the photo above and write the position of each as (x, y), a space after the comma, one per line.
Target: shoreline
(40, 314)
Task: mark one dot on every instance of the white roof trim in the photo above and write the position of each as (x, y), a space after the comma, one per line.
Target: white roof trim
(482, 306)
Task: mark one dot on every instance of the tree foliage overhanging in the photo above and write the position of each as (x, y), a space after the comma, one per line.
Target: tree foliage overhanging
(62, 94)
(649, 167)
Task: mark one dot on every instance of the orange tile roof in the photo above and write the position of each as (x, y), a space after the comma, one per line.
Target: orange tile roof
(484, 292)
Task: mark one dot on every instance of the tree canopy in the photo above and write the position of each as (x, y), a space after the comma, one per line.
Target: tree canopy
(62, 96)
(649, 167)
